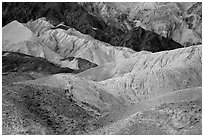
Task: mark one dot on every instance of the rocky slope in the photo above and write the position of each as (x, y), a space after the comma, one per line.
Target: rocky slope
(58, 45)
(181, 21)
(42, 110)
(52, 105)
(73, 68)
(176, 113)
(149, 74)
(18, 67)
(117, 98)
(74, 15)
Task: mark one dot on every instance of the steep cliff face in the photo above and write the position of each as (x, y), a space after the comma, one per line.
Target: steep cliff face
(180, 21)
(74, 15)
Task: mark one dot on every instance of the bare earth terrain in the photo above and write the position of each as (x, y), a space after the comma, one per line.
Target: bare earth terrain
(102, 68)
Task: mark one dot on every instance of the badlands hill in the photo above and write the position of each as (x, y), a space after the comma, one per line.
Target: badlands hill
(74, 15)
(69, 70)
(51, 103)
(176, 113)
(181, 21)
(59, 45)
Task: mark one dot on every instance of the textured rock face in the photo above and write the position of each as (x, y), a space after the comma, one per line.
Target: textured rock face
(147, 61)
(180, 21)
(150, 74)
(41, 41)
(57, 44)
(76, 70)
(71, 43)
(74, 15)
(21, 39)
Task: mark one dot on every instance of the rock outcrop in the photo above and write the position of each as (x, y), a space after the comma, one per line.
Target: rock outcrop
(38, 44)
(75, 16)
(180, 21)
